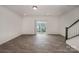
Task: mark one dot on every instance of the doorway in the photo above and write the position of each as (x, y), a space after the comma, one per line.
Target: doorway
(40, 27)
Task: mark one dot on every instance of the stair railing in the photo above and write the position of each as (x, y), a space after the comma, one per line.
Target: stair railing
(72, 31)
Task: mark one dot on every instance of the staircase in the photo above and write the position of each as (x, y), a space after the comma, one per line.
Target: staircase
(72, 35)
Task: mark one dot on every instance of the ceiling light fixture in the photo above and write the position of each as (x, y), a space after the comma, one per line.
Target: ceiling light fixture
(35, 7)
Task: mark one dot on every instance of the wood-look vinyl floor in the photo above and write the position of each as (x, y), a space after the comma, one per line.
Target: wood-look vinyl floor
(37, 44)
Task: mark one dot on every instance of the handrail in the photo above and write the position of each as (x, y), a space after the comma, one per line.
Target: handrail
(66, 37)
(73, 23)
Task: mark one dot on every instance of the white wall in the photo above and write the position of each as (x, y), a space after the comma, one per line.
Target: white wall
(29, 24)
(10, 25)
(67, 19)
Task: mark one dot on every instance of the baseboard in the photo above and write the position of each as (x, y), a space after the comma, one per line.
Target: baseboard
(28, 34)
(57, 34)
(9, 38)
(62, 35)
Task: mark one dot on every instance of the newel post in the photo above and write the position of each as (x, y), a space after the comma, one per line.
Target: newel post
(66, 34)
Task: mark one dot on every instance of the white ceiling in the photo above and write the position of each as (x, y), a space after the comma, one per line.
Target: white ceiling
(53, 10)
